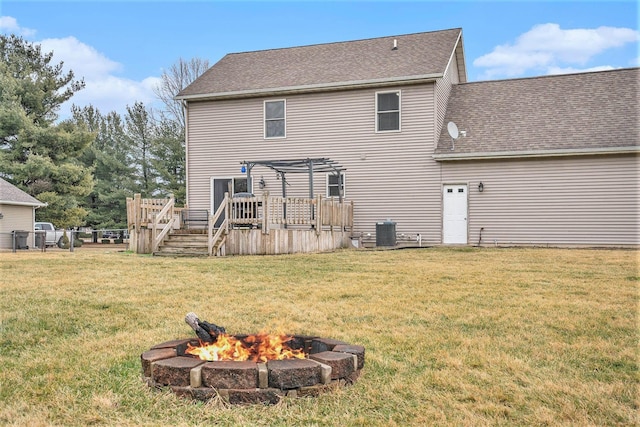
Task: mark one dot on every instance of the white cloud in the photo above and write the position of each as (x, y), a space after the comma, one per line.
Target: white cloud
(10, 25)
(547, 47)
(111, 93)
(82, 59)
(104, 88)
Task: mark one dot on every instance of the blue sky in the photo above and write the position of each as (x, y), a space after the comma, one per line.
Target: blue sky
(121, 47)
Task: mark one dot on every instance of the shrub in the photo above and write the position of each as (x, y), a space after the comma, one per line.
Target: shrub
(65, 241)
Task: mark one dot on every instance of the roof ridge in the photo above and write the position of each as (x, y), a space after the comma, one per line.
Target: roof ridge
(343, 41)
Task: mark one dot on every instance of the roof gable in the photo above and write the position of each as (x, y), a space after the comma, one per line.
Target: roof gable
(552, 115)
(325, 66)
(12, 195)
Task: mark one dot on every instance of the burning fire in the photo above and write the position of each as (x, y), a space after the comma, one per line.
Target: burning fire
(256, 348)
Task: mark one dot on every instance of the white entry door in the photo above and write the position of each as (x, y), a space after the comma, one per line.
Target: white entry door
(454, 215)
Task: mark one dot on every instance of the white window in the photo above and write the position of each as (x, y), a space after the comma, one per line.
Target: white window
(335, 185)
(274, 119)
(388, 111)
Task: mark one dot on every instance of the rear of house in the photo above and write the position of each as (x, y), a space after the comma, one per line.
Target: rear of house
(556, 156)
(374, 106)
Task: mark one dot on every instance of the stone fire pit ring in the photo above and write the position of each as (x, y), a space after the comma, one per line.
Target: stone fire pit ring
(330, 363)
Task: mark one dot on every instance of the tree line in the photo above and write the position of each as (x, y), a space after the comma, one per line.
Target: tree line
(85, 167)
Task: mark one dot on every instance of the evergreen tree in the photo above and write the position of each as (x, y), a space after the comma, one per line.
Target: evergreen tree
(140, 131)
(36, 154)
(168, 158)
(110, 159)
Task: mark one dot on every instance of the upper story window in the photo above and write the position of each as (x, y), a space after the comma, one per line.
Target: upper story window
(335, 185)
(274, 119)
(388, 111)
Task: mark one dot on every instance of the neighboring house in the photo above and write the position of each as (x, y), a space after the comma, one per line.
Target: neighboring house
(557, 156)
(17, 212)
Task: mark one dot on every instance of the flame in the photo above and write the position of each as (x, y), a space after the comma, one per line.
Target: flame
(257, 348)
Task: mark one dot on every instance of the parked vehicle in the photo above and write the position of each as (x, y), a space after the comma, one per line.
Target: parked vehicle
(110, 235)
(52, 236)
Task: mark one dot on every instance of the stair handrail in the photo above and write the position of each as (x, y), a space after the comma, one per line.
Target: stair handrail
(165, 230)
(224, 227)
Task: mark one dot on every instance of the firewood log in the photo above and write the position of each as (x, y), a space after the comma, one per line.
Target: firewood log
(206, 332)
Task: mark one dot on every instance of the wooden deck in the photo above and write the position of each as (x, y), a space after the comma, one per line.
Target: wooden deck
(259, 225)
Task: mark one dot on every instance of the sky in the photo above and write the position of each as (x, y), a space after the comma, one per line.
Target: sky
(120, 48)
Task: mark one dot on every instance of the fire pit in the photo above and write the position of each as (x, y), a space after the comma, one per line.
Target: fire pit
(250, 368)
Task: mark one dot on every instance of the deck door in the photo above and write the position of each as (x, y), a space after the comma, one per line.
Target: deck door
(219, 186)
(454, 215)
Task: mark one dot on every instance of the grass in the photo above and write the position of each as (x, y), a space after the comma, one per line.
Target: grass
(452, 336)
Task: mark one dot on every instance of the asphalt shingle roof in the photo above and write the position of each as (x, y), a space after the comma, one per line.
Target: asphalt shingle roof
(585, 111)
(12, 195)
(417, 55)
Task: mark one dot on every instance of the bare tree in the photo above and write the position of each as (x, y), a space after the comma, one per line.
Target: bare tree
(177, 77)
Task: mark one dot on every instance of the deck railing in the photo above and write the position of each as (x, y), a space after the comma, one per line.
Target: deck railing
(281, 212)
(141, 212)
(159, 216)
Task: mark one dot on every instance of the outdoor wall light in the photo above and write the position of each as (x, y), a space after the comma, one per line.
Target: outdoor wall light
(261, 183)
(481, 187)
(1, 215)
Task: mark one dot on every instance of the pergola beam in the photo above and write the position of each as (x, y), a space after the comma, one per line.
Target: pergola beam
(308, 165)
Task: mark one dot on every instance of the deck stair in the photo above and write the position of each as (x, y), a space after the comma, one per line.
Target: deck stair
(184, 245)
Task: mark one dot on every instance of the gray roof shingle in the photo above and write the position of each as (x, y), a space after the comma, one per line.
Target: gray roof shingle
(328, 65)
(596, 111)
(12, 195)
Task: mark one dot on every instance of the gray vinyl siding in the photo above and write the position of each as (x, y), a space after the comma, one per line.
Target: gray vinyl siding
(388, 175)
(563, 201)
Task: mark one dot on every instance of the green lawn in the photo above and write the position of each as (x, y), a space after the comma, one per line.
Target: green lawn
(452, 336)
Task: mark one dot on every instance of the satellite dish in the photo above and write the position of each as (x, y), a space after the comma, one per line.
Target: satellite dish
(452, 128)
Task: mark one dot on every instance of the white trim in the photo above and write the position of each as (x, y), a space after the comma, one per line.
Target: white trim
(381, 92)
(287, 90)
(538, 153)
(35, 205)
(453, 54)
(264, 118)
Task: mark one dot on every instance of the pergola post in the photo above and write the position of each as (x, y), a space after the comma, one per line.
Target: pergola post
(249, 166)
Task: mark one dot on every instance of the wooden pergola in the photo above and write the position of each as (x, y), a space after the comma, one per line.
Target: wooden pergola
(308, 166)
